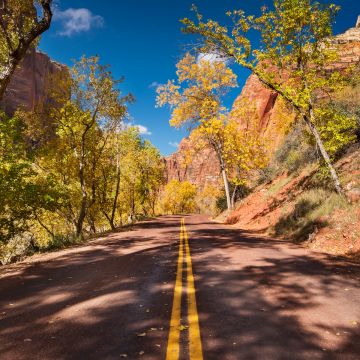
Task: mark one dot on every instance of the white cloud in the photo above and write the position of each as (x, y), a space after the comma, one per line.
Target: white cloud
(143, 130)
(75, 21)
(211, 57)
(174, 144)
(154, 84)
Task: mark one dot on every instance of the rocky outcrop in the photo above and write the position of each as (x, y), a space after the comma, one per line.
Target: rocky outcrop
(28, 85)
(202, 169)
(271, 117)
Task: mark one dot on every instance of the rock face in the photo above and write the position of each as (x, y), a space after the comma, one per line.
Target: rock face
(27, 86)
(202, 170)
(271, 116)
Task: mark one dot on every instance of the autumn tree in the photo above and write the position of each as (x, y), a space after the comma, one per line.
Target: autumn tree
(132, 174)
(20, 26)
(196, 101)
(179, 197)
(207, 198)
(84, 123)
(293, 59)
(23, 194)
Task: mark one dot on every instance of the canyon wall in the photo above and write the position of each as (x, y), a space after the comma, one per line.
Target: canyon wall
(272, 118)
(28, 85)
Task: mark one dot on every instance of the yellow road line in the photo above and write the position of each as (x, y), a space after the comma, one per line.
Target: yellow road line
(195, 348)
(173, 347)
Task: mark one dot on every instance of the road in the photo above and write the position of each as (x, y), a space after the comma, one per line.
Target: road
(226, 294)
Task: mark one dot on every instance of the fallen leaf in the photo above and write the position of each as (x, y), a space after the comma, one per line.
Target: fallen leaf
(141, 352)
(183, 327)
(123, 355)
(27, 340)
(141, 334)
(147, 310)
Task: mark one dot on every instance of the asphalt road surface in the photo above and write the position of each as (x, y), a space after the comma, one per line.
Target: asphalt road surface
(180, 289)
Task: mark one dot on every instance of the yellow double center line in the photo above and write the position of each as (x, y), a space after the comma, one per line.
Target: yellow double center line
(195, 348)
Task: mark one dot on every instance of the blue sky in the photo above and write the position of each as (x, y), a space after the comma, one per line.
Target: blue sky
(142, 41)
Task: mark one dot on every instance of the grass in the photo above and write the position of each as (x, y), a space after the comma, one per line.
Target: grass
(278, 185)
(309, 213)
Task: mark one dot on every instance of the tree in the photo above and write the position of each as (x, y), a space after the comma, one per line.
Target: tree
(179, 197)
(84, 124)
(131, 176)
(196, 102)
(294, 58)
(22, 192)
(207, 199)
(20, 26)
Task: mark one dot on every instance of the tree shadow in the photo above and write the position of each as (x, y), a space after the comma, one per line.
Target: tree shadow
(92, 302)
(297, 224)
(258, 298)
(262, 298)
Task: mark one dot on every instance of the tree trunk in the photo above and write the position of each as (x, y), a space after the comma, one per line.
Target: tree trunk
(226, 187)
(218, 151)
(118, 174)
(324, 154)
(82, 214)
(233, 196)
(6, 75)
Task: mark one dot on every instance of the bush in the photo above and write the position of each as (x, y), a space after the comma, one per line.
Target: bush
(15, 249)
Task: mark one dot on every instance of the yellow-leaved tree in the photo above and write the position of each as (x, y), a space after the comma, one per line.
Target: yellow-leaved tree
(179, 197)
(196, 102)
(294, 58)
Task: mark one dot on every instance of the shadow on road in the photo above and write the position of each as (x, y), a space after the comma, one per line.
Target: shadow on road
(269, 299)
(93, 302)
(257, 298)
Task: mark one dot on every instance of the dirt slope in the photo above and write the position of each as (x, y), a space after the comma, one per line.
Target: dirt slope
(293, 207)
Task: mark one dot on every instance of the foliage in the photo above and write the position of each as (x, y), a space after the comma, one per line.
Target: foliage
(179, 197)
(82, 173)
(207, 198)
(337, 129)
(22, 192)
(293, 59)
(21, 24)
(196, 102)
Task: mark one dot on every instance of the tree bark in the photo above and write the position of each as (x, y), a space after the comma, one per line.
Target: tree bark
(233, 196)
(224, 176)
(226, 187)
(82, 213)
(324, 154)
(118, 174)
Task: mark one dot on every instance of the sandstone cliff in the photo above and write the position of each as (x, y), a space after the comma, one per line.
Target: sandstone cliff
(271, 117)
(28, 85)
(203, 169)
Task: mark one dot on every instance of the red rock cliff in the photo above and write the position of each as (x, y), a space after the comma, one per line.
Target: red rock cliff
(27, 86)
(203, 169)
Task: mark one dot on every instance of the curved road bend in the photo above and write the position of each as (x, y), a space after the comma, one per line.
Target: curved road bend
(226, 294)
